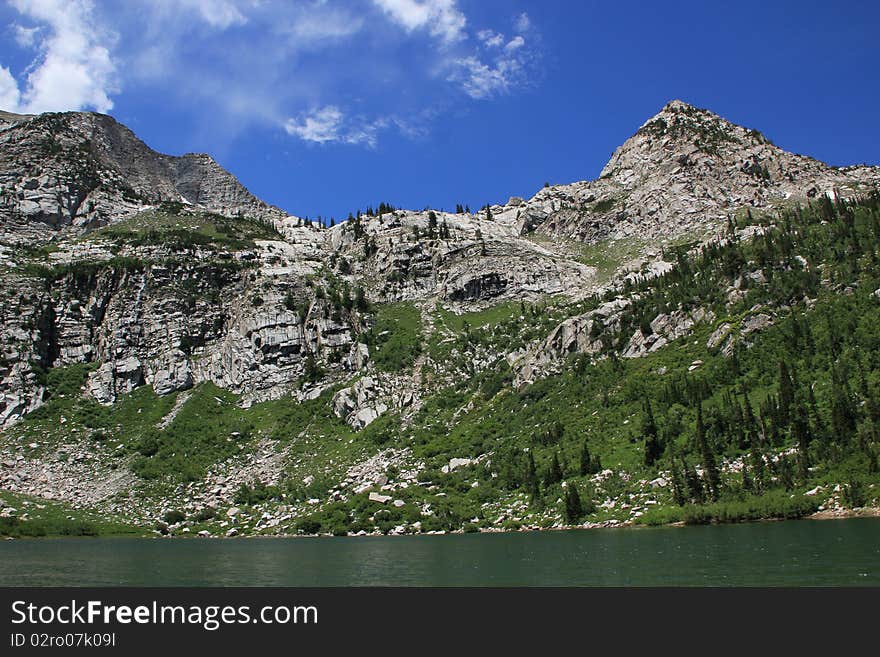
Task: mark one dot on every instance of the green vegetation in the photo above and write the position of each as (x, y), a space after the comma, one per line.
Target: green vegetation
(730, 435)
(604, 205)
(208, 429)
(30, 517)
(395, 339)
(175, 226)
(82, 416)
(609, 255)
(776, 504)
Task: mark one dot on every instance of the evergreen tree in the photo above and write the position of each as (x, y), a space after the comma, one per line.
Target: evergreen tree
(574, 510)
(786, 476)
(678, 485)
(786, 394)
(653, 448)
(530, 475)
(843, 413)
(747, 485)
(756, 458)
(554, 472)
(360, 299)
(694, 484)
(586, 460)
(713, 478)
(530, 479)
(800, 433)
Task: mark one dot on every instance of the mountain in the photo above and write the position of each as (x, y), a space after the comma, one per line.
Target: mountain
(685, 169)
(83, 170)
(180, 355)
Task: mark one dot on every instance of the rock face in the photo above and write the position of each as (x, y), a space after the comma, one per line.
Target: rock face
(459, 258)
(81, 169)
(286, 313)
(684, 171)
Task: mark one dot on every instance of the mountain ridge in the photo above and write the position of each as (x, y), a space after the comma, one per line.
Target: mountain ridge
(675, 149)
(85, 169)
(167, 340)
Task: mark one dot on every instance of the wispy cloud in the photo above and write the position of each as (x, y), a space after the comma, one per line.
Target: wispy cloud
(323, 71)
(490, 38)
(329, 124)
(10, 97)
(442, 18)
(220, 14)
(73, 68)
(501, 65)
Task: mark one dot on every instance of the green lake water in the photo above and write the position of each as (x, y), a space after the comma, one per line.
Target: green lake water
(793, 553)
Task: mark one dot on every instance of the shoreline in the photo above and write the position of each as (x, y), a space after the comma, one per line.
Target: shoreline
(833, 514)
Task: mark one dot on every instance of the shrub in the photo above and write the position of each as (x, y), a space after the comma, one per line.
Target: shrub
(173, 517)
(208, 513)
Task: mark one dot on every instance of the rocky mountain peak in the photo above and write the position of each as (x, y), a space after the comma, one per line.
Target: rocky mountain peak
(82, 169)
(679, 133)
(681, 174)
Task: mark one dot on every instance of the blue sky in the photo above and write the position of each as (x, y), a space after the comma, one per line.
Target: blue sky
(326, 106)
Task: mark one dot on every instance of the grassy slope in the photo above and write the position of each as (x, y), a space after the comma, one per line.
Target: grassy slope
(25, 516)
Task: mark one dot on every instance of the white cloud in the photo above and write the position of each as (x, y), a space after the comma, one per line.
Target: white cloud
(320, 125)
(318, 22)
(26, 37)
(233, 64)
(73, 69)
(9, 94)
(500, 67)
(443, 18)
(329, 124)
(481, 81)
(522, 23)
(490, 38)
(220, 14)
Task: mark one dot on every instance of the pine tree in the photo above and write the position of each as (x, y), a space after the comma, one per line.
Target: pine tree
(786, 477)
(653, 448)
(713, 478)
(574, 510)
(843, 414)
(757, 465)
(800, 433)
(530, 475)
(678, 485)
(747, 484)
(360, 299)
(531, 481)
(554, 472)
(586, 460)
(694, 485)
(786, 394)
